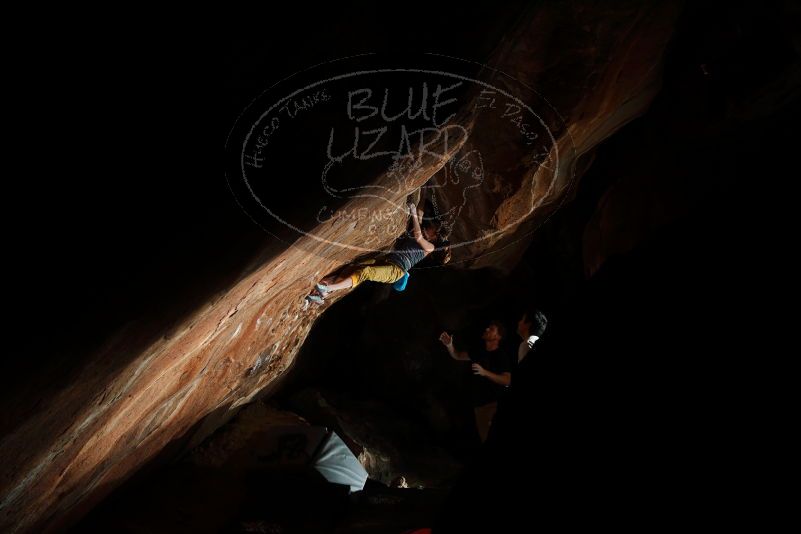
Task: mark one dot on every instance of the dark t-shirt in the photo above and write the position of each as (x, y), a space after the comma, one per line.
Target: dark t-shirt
(406, 253)
(484, 390)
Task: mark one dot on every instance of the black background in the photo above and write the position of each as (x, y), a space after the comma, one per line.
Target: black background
(117, 208)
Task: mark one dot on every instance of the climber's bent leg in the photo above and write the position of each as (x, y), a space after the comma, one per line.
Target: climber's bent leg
(385, 273)
(345, 272)
(344, 283)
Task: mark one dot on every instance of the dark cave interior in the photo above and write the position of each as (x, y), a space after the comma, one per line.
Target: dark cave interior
(643, 274)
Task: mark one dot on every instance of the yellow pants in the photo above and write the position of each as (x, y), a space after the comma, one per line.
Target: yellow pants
(377, 271)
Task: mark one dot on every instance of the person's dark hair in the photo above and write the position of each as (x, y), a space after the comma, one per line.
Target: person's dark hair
(538, 322)
(499, 326)
(431, 223)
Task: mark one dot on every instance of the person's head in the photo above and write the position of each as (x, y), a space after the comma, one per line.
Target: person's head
(533, 323)
(432, 230)
(494, 332)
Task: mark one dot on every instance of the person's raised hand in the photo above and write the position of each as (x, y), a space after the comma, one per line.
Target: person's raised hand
(446, 339)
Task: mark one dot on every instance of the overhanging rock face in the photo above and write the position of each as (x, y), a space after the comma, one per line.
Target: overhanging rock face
(587, 70)
(599, 67)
